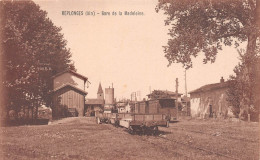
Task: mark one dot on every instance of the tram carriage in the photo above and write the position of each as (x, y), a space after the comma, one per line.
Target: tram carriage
(147, 116)
(164, 106)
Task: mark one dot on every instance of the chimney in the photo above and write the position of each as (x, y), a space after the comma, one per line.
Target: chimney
(222, 80)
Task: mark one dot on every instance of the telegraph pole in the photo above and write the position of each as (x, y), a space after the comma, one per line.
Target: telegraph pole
(176, 102)
(186, 94)
(185, 84)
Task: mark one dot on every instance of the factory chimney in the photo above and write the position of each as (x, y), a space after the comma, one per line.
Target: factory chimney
(222, 80)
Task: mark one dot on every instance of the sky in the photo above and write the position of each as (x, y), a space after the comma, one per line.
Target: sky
(127, 50)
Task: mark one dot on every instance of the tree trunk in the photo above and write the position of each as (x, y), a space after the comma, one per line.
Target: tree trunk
(257, 14)
(28, 113)
(32, 113)
(250, 62)
(36, 114)
(247, 77)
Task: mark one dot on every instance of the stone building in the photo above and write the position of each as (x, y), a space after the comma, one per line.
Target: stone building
(210, 100)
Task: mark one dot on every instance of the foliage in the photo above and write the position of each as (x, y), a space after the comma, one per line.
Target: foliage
(241, 93)
(34, 50)
(156, 94)
(234, 92)
(205, 26)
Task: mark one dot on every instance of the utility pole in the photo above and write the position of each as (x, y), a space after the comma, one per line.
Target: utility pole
(185, 83)
(186, 94)
(176, 102)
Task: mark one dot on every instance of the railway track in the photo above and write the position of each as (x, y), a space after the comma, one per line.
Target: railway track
(200, 132)
(198, 148)
(188, 145)
(165, 149)
(185, 144)
(206, 151)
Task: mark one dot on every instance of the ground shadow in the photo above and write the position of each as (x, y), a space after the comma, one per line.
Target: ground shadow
(11, 123)
(147, 132)
(175, 121)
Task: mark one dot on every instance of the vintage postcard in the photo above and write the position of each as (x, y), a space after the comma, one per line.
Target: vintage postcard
(138, 79)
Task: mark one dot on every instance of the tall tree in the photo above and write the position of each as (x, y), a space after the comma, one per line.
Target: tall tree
(204, 26)
(34, 50)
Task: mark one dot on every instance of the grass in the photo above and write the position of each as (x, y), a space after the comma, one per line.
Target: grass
(82, 138)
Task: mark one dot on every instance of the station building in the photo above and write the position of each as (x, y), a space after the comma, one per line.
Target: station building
(68, 94)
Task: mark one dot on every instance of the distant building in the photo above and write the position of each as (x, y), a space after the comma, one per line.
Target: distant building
(68, 94)
(95, 105)
(124, 107)
(100, 93)
(210, 100)
(109, 100)
(136, 96)
(121, 107)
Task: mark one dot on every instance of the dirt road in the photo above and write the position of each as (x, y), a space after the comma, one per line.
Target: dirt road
(81, 138)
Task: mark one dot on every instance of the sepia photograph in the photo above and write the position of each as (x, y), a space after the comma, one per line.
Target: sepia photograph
(130, 80)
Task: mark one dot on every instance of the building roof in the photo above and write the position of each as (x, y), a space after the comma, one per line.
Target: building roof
(100, 90)
(210, 87)
(72, 72)
(71, 87)
(95, 101)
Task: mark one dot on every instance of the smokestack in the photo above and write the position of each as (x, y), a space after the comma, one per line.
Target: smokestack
(222, 80)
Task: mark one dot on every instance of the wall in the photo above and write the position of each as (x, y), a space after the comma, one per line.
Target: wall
(128, 108)
(67, 98)
(153, 107)
(100, 96)
(200, 103)
(90, 110)
(109, 98)
(68, 78)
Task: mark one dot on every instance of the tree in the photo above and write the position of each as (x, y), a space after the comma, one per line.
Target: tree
(33, 51)
(243, 94)
(156, 94)
(205, 26)
(234, 92)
